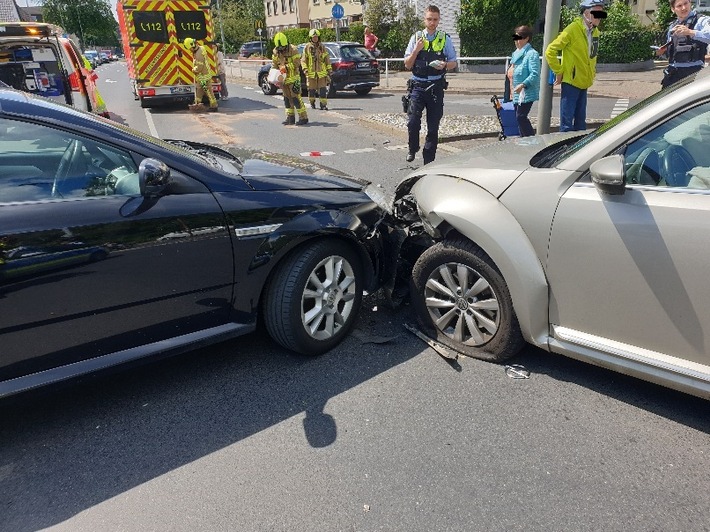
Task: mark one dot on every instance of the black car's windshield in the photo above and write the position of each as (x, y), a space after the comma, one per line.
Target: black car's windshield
(551, 155)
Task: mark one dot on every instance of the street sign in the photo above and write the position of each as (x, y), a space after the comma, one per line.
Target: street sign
(258, 25)
(338, 11)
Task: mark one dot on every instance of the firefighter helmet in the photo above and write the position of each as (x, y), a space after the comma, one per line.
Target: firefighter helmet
(280, 40)
(313, 32)
(189, 42)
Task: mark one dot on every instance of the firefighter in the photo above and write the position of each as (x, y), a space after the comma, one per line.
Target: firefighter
(203, 74)
(317, 69)
(287, 59)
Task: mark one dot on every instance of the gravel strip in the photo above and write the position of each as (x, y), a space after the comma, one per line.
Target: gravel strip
(453, 126)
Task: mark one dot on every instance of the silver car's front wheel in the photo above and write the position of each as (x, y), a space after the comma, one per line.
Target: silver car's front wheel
(461, 297)
(313, 298)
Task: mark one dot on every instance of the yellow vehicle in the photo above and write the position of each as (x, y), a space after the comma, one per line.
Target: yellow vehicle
(159, 66)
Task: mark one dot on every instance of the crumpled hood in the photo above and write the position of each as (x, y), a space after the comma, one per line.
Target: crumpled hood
(492, 166)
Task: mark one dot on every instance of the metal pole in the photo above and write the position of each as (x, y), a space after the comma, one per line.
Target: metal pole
(221, 27)
(552, 25)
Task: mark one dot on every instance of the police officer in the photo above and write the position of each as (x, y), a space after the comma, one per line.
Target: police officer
(429, 55)
(287, 59)
(688, 38)
(203, 74)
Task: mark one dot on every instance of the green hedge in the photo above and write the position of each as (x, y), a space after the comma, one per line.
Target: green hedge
(625, 46)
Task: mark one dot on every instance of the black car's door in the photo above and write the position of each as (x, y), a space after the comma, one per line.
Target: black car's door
(87, 266)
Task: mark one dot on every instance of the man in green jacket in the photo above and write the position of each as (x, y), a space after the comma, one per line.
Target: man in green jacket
(578, 45)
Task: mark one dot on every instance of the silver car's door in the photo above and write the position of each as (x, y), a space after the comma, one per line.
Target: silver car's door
(629, 273)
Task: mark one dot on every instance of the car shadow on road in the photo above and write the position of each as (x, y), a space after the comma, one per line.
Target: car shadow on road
(664, 402)
(77, 447)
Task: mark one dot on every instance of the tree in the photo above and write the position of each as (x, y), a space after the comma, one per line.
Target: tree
(392, 27)
(237, 18)
(380, 15)
(91, 20)
(485, 26)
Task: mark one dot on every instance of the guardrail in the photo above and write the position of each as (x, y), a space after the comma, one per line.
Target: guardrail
(238, 67)
(388, 60)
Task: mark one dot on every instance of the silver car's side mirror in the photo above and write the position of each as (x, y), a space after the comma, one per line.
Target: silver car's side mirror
(153, 177)
(608, 174)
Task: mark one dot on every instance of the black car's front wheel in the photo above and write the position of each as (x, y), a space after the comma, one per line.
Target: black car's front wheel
(314, 296)
(266, 87)
(363, 92)
(462, 300)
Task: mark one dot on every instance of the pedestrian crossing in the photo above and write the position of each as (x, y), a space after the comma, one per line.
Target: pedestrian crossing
(621, 105)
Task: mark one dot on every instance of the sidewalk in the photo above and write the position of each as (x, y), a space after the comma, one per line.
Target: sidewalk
(633, 85)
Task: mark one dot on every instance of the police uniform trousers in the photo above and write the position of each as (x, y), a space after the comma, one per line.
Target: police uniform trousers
(429, 96)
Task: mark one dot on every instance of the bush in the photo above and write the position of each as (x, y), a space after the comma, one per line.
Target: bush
(625, 46)
(485, 26)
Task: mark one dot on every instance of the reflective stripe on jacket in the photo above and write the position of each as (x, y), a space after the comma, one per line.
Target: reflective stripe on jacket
(316, 61)
(291, 59)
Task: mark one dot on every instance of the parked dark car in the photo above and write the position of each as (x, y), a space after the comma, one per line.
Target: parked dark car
(248, 49)
(354, 68)
(181, 244)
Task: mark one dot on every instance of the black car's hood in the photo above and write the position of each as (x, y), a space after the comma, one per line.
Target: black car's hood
(268, 171)
(271, 171)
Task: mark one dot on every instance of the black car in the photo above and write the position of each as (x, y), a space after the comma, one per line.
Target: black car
(248, 49)
(354, 68)
(116, 246)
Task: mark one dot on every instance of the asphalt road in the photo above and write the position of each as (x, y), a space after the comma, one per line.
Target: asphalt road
(380, 434)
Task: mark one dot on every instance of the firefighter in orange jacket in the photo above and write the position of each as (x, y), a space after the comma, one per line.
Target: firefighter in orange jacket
(203, 74)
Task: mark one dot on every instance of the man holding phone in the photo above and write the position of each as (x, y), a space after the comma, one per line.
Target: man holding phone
(429, 55)
(578, 45)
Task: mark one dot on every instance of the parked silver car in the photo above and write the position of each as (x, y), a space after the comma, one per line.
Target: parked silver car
(594, 246)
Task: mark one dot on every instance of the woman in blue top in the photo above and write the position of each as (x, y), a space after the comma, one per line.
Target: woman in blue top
(525, 66)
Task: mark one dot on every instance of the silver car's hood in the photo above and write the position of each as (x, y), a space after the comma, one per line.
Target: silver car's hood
(492, 166)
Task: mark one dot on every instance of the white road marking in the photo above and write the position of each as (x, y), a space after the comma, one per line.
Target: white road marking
(151, 124)
(316, 153)
(361, 150)
(399, 147)
(621, 105)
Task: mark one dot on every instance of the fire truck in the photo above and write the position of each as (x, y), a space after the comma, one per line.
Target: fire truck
(159, 66)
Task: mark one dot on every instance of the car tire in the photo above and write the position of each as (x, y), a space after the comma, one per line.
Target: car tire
(266, 87)
(313, 297)
(482, 325)
(363, 92)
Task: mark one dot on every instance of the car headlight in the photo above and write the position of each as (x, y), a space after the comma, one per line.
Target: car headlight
(377, 195)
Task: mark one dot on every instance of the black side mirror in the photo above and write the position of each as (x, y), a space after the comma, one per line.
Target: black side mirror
(153, 177)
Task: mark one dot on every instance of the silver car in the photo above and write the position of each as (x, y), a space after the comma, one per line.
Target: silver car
(594, 246)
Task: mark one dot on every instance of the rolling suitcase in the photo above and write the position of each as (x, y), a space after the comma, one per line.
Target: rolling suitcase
(506, 117)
